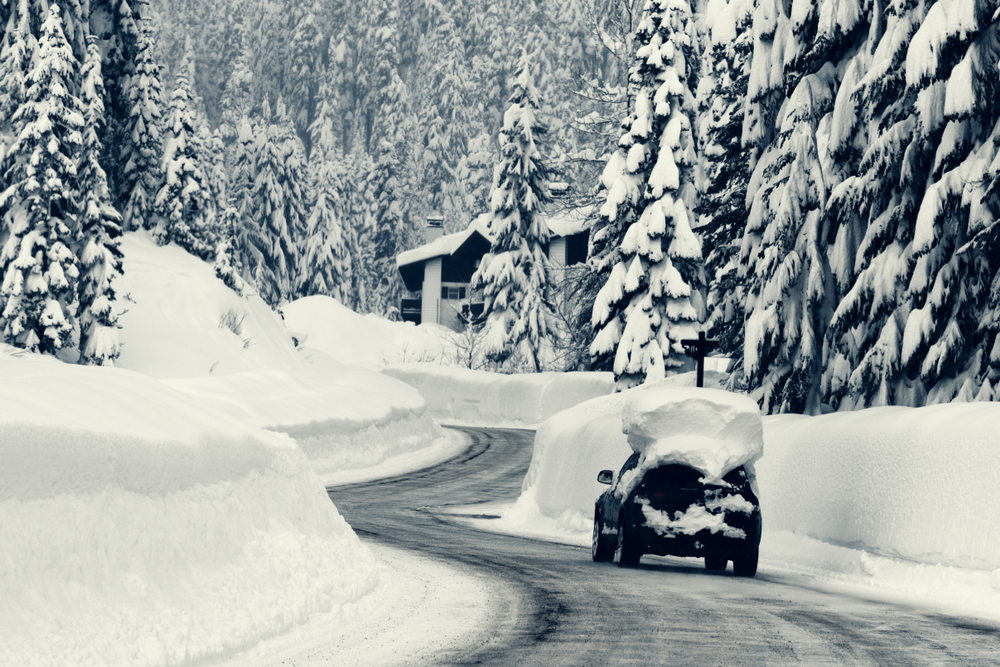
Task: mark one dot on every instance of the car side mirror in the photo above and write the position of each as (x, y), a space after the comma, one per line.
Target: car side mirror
(605, 476)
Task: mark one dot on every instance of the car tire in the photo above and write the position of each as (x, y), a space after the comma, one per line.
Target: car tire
(600, 550)
(716, 563)
(745, 565)
(627, 553)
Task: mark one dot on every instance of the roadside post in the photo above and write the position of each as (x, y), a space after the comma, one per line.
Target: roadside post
(698, 350)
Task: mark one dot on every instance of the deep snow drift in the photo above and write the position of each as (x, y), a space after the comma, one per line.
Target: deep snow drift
(185, 327)
(159, 513)
(142, 527)
(463, 395)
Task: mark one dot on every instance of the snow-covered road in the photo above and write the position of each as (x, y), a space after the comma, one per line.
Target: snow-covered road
(554, 606)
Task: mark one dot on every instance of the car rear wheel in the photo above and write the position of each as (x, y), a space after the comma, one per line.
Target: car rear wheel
(745, 565)
(600, 550)
(627, 553)
(716, 564)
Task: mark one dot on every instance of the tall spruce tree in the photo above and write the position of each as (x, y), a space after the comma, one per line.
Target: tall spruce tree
(726, 167)
(42, 201)
(392, 232)
(142, 175)
(97, 247)
(183, 205)
(651, 299)
(514, 274)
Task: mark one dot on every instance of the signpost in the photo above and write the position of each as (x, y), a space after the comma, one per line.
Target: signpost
(698, 350)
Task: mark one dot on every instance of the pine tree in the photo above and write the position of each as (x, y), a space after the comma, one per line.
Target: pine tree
(278, 207)
(142, 176)
(40, 272)
(98, 250)
(183, 205)
(786, 268)
(513, 275)
(391, 233)
(727, 168)
(324, 252)
(241, 257)
(651, 299)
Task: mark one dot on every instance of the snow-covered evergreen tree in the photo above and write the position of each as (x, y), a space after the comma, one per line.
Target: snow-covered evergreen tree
(183, 205)
(325, 256)
(392, 232)
(726, 167)
(42, 202)
(279, 196)
(651, 299)
(142, 176)
(97, 247)
(514, 274)
(787, 269)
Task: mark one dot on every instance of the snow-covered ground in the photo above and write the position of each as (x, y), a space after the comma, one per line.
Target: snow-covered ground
(168, 511)
(898, 500)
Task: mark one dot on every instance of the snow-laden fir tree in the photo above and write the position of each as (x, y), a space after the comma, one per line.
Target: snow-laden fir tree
(97, 248)
(41, 203)
(391, 231)
(243, 247)
(959, 45)
(726, 167)
(514, 274)
(279, 198)
(142, 176)
(784, 256)
(183, 205)
(305, 70)
(325, 256)
(651, 300)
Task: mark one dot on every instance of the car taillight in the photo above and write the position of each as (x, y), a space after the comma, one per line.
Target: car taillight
(659, 495)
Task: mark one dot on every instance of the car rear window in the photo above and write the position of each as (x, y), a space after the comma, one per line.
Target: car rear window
(674, 475)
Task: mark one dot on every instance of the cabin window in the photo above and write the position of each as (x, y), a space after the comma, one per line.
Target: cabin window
(452, 293)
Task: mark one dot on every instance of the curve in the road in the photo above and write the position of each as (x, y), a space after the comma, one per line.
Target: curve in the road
(565, 609)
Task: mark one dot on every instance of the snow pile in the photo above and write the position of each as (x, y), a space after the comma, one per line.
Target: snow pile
(322, 323)
(919, 483)
(572, 446)
(140, 527)
(710, 430)
(184, 326)
(493, 398)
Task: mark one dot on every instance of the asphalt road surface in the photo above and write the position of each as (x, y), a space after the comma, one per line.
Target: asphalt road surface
(564, 609)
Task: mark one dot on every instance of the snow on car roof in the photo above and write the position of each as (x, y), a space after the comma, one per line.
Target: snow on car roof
(710, 430)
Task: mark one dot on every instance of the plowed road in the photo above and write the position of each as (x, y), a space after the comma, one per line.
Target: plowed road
(563, 609)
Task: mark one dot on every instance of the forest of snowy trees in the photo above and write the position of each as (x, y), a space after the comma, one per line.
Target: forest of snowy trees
(814, 182)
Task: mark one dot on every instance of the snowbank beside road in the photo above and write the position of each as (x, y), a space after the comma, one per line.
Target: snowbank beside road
(480, 397)
(919, 483)
(363, 340)
(141, 527)
(233, 353)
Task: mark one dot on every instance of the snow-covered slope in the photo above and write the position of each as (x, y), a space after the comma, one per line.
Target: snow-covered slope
(363, 340)
(140, 526)
(187, 328)
(481, 397)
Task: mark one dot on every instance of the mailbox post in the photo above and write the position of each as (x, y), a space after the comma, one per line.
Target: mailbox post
(698, 350)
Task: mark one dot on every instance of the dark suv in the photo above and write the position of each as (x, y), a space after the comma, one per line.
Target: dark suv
(668, 510)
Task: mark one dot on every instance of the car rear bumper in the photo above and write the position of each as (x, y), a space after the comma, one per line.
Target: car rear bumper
(742, 534)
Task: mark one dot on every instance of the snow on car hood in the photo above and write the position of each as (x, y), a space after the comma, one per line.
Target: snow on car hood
(710, 430)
